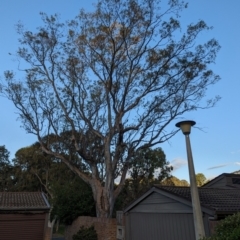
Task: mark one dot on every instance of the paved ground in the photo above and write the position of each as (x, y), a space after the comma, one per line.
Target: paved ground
(57, 237)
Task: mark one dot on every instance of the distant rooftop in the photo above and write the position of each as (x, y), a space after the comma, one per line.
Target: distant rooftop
(23, 201)
(224, 180)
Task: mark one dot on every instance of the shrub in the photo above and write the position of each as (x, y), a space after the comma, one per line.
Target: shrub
(227, 229)
(86, 234)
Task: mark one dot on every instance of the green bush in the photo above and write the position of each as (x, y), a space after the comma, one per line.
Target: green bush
(86, 234)
(227, 229)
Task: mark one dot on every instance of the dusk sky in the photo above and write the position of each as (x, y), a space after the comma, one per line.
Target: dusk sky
(216, 138)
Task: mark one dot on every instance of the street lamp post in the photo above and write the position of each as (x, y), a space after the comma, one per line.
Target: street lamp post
(185, 126)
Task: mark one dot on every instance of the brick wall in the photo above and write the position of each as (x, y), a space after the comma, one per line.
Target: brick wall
(105, 228)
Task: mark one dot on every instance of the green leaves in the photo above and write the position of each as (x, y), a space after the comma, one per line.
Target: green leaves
(148, 167)
(86, 234)
(200, 179)
(5, 169)
(147, 161)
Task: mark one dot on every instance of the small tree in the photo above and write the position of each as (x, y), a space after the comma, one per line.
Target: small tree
(114, 79)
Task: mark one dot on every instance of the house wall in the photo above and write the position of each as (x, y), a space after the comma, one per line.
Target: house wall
(22, 226)
(105, 228)
(168, 205)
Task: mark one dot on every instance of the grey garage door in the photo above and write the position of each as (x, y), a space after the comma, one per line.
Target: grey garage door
(159, 226)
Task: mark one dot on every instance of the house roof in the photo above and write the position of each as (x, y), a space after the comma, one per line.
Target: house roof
(23, 201)
(219, 200)
(212, 200)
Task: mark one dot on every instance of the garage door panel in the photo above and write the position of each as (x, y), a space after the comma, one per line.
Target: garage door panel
(142, 226)
(22, 227)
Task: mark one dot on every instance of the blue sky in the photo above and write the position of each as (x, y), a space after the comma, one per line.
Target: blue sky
(215, 146)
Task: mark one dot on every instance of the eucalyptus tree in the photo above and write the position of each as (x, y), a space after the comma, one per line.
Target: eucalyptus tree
(115, 78)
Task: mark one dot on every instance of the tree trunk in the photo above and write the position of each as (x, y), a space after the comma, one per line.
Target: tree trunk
(104, 200)
(51, 224)
(57, 226)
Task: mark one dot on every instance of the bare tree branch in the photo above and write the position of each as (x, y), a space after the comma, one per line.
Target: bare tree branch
(109, 83)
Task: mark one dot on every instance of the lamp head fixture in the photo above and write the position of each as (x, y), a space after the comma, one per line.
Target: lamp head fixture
(186, 126)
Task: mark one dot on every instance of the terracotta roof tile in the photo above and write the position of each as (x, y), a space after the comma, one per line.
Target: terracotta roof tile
(214, 198)
(23, 200)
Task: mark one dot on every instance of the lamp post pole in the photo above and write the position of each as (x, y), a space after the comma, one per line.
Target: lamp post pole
(185, 126)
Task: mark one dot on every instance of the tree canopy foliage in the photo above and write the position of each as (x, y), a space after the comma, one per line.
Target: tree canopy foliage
(33, 170)
(5, 169)
(200, 179)
(145, 163)
(4, 156)
(149, 167)
(174, 181)
(114, 79)
(72, 199)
